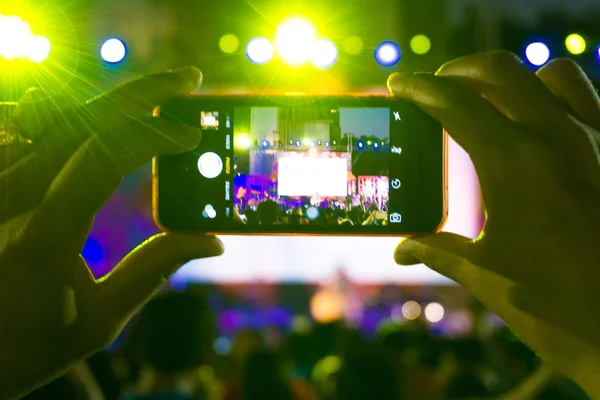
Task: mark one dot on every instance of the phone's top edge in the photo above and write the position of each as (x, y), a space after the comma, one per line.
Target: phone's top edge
(290, 94)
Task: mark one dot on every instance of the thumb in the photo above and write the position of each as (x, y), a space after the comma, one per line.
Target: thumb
(446, 253)
(139, 275)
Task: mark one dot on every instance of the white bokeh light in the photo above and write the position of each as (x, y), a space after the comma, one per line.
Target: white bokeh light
(323, 54)
(38, 49)
(387, 54)
(434, 312)
(411, 310)
(537, 53)
(113, 50)
(260, 50)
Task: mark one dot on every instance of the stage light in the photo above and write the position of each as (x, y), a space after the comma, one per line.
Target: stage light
(291, 142)
(420, 44)
(298, 143)
(575, 44)
(265, 144)
(411, 310)
(323, 54)
(229, 43)
(598, 53)
(375, 145)
(15, 36)
(334, 142)
(319, 143)
(259, 50)
(360, 144)
(113, 50)
(368, 142)
(354, 45)
(242, 141)
(294, 40)
(387, 54)
(313, 143)
(434, 312)
(306, 142)
(38, 49)
(537, 53)
(396, 314)
(326, 144)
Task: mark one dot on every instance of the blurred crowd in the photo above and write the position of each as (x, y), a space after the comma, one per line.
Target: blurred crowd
(170, 351)
(269, 212)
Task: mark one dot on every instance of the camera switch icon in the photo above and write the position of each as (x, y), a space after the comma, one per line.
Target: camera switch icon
(395, 218)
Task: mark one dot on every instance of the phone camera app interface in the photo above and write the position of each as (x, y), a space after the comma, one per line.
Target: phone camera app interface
(311, 165)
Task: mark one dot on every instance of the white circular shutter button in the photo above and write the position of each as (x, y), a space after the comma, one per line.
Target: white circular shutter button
(210, 165)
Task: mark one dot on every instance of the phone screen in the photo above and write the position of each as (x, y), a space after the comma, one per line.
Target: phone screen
(350, 165)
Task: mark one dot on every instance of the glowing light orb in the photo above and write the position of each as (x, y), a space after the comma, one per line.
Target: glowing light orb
(537, 53)
(434, 312)
(575, 44)
(326, 306)
(113, 50)
(396, 314)
(242, 141)
(38, 49)
(229, 43)
(324, 54)
(354, 45)
(294, 40)
(259, 50)
(420, 44)
(387, 54)
(411, 310)
(15, 37)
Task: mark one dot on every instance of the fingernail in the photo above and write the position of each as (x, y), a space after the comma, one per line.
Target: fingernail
(191, 78)
(402, 254)
(395, 79)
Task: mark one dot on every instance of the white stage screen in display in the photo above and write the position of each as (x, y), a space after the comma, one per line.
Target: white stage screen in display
(309, 176)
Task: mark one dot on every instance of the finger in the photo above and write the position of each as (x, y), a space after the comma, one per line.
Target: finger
(569, 83)
(137, 277)
(444, 252)
(95, 172)
(29, 179)
(487, 135)
(32, 114)
(138, 99)
(558, 312)
(512, 87)
(29, 116)
(502, 79)
(11, 154)
(129, 102)
(37, 111)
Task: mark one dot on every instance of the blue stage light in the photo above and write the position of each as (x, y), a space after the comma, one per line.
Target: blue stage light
(387, 54)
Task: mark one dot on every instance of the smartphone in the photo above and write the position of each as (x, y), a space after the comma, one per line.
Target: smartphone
(303, 165)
